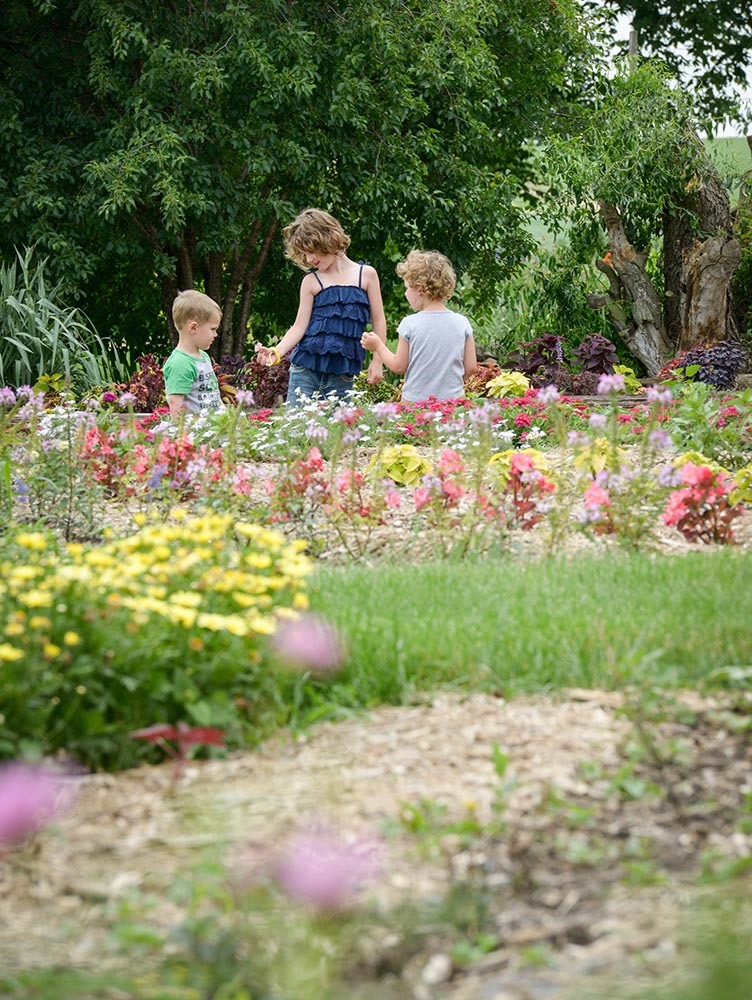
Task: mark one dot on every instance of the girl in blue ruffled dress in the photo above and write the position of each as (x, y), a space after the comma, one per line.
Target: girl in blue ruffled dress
(338, 297)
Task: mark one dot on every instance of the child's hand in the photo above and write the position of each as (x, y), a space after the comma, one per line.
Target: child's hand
(370, 340)
(264, 354)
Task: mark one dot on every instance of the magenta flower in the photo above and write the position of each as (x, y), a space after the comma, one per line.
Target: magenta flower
(324, 871)
(29, 798)
(309, 643)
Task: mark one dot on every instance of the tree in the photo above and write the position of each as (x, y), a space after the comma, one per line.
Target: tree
(193, 132)
(635, 159)
(707, 45)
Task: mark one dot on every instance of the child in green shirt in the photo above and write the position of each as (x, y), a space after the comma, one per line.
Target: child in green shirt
(190, 383)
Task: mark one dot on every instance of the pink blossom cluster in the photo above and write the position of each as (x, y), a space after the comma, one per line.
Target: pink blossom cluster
(701, 509)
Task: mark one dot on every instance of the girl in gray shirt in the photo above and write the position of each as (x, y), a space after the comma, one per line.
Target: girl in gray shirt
(436, 349)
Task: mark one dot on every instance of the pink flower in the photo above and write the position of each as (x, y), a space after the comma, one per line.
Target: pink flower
(596, 496)
(29, 798)
(309, 643)
(421, 498)
(324, 871)
(675, 509)
(520, 463)
(696, 475)
(453, 490)
(450, 461)
(392, 497)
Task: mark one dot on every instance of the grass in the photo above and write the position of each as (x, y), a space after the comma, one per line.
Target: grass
(496, 625)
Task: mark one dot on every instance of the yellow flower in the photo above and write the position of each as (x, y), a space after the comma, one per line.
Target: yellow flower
(223, 623)
(14, 628)
(9, 653)
(195, 643)
(22, 573)
(36, 599)
(40, 621)
(71, 638)
(300, 601)
(32, 540)
(139, 519)
(50, 650)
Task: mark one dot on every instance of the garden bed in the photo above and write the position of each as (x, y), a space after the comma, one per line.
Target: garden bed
(589, 875)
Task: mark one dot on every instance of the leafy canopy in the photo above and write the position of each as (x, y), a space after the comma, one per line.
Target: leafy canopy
(166, 143)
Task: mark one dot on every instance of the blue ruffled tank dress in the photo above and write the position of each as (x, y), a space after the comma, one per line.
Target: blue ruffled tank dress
(331, 343)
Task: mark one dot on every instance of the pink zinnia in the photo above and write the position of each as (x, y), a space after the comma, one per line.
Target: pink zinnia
(309, 643)
(29, 798)
(325, 871)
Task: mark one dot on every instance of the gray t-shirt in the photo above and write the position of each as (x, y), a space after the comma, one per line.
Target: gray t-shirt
(435, 365)
(193, 378)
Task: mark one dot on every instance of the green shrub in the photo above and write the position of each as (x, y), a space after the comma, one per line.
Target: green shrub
(40, 339)
(162, 626)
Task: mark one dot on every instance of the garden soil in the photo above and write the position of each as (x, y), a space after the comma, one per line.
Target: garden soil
(594, 831)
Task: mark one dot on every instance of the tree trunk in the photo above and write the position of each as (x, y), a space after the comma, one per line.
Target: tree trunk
(677, 239)
(705, 260)
(646, 336)
(708, 269)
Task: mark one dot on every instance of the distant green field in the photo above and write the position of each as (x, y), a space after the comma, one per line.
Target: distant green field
(732, 157)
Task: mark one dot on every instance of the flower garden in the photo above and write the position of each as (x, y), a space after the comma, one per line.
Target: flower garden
(156, 595)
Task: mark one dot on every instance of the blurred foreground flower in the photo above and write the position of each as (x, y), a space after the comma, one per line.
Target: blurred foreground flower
(29, 798)
(309, 643)
(324, 871)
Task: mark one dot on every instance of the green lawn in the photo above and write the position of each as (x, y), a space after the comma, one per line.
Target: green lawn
(597, 621)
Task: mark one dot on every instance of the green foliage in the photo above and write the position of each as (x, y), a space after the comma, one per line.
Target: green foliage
(707, 45)
(547, 297)
(42, 340)
(634, 149)
(402, 463)
(180, 138)
(698, 424)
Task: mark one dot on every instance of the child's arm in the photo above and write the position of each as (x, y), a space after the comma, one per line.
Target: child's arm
(378, 320)
(395, 361)
(269, 355)
(471, 358)
(176, 402)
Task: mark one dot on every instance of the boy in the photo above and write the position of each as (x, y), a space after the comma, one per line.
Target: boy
(436, 348)
(190, 382)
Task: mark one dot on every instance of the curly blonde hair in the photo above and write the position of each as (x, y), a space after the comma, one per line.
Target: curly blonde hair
(313, 230)
(431, 272)
(192, 305)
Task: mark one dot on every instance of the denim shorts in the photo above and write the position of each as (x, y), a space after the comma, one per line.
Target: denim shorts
(306, 383)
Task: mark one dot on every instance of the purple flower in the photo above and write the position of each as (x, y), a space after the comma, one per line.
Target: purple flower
(7, 397)
(610, 383)
(127, 400)
(656, 395)
(597, 421)
(548, 394)
(108, 397)
(309, 643)
(315, 431)
(660, 438)
(325, 871)
(385, 411)
(245, 399)
(29, 798)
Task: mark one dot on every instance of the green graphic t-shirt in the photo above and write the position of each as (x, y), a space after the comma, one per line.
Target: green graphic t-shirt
(193, 378)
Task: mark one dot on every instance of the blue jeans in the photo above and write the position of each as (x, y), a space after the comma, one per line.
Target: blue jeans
(313, 384)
